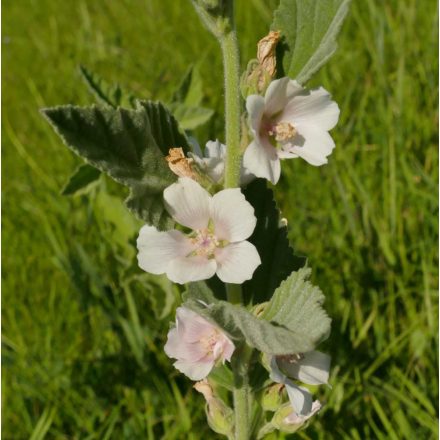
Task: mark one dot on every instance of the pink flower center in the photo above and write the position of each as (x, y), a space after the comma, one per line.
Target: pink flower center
(280, 132)
(206, 243)
(209, 342)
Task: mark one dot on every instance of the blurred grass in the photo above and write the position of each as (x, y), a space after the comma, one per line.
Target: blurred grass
(82, 355)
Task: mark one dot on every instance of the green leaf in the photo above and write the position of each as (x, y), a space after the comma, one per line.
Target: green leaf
(105, 93)
(297, 305)
(81, 180)
(128, 145)
(278, 259)
(298, 332)
(191, 117)
(309, 28)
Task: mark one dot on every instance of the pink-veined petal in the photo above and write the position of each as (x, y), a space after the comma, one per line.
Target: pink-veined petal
(187, 269)
(232, 215)
(237, 262)
(188, 203)
(157, 249)
(261, 159)
(314, 108)
(275, 98)
(191, 326)
(178, 348)
(194, 370)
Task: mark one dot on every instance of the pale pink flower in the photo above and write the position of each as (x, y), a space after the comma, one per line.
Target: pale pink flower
(311, 368)
(197, 344)
(217, 244)
(288, 122)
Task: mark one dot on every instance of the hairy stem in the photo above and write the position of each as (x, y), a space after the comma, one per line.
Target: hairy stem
(232, 109)
(242, 394)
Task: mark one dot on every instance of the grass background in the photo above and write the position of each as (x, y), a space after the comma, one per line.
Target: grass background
(82, 355)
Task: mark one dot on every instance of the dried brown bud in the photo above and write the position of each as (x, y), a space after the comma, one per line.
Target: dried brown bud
(266, 52)
(179, 164)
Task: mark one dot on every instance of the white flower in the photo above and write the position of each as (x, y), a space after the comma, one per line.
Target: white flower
(311, 368)
(289, 121)
(217, 244)
(196, 344)
(213, 161)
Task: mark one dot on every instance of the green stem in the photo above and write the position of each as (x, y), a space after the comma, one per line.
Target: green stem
(234, 294)
(242, 394)
(232, 109)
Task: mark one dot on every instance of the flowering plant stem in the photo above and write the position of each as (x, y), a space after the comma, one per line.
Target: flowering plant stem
(242, 394)
(232, 109)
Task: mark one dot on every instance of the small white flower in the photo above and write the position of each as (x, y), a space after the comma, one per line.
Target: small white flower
(196, 344)
(288, 122)
(213, 161)
(311, 368)
(217, 244)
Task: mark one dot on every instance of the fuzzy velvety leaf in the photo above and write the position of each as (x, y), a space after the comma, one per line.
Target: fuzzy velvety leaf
(128, 145)
(297, 304)
(105, 93)
(269, 337)
(309, 29)
(278, 260)
(81, 180)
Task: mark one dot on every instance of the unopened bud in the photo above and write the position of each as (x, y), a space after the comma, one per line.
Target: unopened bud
(220, 417)
(255, 79)
(272, 397)
(281, 419)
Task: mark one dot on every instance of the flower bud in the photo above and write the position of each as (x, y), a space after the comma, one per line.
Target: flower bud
(220, 417)
(281, 419)
(272, 397)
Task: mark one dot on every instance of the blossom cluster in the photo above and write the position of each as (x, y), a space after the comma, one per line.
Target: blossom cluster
(213, 227)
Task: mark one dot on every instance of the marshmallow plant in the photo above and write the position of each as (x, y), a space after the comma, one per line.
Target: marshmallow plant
(249, 320)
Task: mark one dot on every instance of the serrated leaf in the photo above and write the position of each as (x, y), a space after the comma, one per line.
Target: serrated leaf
(297, 335)
(191, 117)
(105, 93)
(296, 303)
(81, 180)
(309, 28)
(278, 259)
(128, 145)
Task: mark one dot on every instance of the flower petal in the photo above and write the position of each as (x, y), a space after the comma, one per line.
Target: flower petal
(237, 262)
(232, 215)
(261, 159)
(255, 108)
(314, 108)
(300, 398)
(157, 249)
(312, 369)
(178, 348)
(188, 203)
(275, 98)
(215, 149)
(186, 269)
(296, 419)
(194, 370)
(318, 144)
